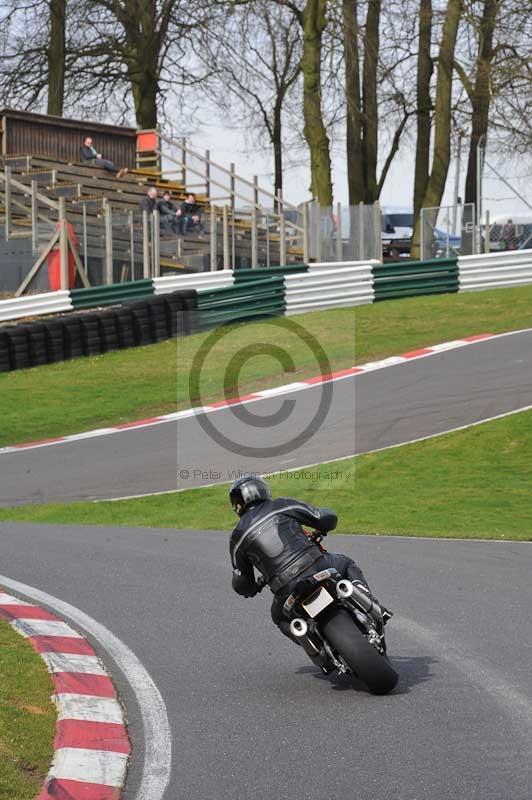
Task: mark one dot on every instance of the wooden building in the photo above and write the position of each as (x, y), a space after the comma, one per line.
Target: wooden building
(23, 133)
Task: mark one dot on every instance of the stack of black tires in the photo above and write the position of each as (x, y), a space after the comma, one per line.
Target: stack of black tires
(141, 322)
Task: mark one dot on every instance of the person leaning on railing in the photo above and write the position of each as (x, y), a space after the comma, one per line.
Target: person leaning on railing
(89, 155)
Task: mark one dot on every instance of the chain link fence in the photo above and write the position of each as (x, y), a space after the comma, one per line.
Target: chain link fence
(448, 231)
(344, 233)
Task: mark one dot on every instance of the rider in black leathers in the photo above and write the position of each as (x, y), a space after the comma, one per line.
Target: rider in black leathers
(270, 538)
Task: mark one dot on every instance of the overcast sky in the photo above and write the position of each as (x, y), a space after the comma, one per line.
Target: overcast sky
(229, 145)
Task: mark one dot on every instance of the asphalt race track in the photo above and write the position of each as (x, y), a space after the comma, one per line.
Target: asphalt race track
(368, 411)
(252, 718)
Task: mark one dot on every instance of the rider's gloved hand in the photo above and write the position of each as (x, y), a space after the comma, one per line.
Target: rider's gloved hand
(245, 587)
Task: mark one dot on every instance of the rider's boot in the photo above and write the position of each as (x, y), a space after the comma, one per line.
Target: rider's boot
(318, 657)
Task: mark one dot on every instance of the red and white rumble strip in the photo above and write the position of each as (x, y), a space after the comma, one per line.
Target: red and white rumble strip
(423, 352)
(91, 742)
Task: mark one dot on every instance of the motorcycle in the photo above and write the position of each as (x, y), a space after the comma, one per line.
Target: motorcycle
(344, 624)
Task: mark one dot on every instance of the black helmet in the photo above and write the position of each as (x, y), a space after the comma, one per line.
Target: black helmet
(246, 491)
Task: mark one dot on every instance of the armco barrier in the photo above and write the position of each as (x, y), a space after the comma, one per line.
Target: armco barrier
(308, 287)
(264, 297)
(334, 265)
(264, 272)
(114, 294)
(140, 322)
(34, 305)
(414, 278)
(200, 281)
(510, 268)
(328, 289)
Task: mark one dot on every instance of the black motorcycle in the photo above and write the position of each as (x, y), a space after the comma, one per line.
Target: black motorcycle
(345, 625)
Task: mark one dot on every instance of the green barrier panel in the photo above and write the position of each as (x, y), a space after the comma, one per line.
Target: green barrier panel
(111, 295)
(261, 272)
(413, 278)
(248, 300)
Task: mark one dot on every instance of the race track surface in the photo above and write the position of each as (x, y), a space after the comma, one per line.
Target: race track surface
(368, 411)
(251, 717)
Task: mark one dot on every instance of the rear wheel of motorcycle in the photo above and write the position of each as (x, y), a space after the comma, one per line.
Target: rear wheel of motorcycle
(373, 669)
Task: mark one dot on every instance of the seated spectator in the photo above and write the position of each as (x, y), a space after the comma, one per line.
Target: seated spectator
(190, 215)
(89, 155)
(149, 202)
(168, 213)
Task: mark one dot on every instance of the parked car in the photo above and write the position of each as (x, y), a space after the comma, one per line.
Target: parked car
(445, 244)
(397, 230)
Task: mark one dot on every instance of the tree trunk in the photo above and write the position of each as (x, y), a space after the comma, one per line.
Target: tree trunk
(370, 122)
(141, 54)
(313, 21)
(481, 98)
(355, 175)
(277, 142)
(442, 117)
(56, 57)
(144, 87)
(424, 103)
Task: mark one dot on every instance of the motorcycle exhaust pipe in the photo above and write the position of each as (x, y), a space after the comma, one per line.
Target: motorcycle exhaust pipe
(298, 628)
(344, 588)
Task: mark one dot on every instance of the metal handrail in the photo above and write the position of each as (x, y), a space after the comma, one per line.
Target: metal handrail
(276, 198)
(234, 194)
(24, 188)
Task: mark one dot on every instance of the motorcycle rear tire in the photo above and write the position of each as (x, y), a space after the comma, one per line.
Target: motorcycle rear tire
(366, 662)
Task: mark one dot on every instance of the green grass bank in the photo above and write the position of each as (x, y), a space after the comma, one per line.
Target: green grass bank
(475, 483)
(27, 717)
(86, 393)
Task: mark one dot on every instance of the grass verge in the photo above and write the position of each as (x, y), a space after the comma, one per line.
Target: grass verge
(469, 484)
(27, 717)
(73, 396)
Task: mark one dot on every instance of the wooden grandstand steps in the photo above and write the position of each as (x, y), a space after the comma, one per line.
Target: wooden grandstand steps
(87, 189)
(63, 190)
(42, 177)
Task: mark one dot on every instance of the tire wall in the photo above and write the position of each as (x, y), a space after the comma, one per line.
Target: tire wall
(133, 324)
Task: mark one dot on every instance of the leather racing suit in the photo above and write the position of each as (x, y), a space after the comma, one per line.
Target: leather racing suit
(270, 538)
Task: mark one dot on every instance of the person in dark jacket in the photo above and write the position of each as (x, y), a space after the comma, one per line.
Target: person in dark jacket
(270, 538)
(150, 200)
(89, 155)
(168, 214)
(190, 216)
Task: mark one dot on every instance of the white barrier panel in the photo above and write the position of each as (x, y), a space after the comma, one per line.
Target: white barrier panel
(32, 305)
(313, 291)
(495, 270)
(333, 265)
(201, 281)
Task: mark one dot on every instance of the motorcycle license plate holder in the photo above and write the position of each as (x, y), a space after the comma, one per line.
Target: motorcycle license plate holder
(316, 602)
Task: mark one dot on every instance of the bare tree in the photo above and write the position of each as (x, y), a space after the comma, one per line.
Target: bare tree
(442, 116)
(376, 104)
(56, 56)
(34, 54)
(424, 104)
(312, 17)
(313, 21)
(354, 153)
(480, 90)
(256, 56)
(136, 44)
